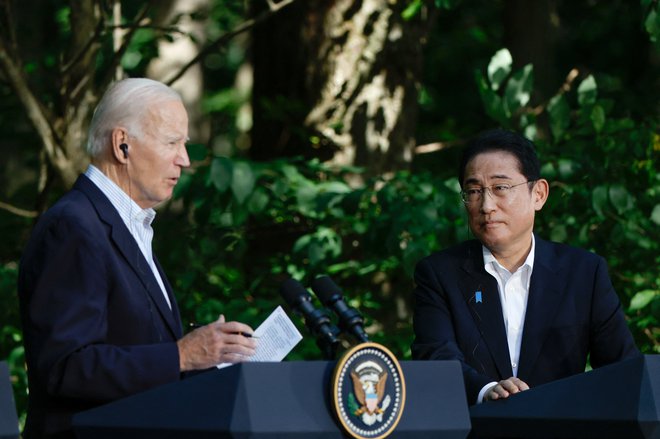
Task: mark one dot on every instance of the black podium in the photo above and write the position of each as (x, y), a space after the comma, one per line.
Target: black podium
(620, 401)
(8, 418)
(269, 400)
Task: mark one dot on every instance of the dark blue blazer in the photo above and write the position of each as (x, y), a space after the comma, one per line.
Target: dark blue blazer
(572, 312)
(96, 325)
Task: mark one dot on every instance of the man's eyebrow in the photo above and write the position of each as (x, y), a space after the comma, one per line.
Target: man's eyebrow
(474, 180)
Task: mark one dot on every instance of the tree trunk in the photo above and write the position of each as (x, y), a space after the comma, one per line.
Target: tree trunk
(173, 55)
(530, 29)
(353, 79)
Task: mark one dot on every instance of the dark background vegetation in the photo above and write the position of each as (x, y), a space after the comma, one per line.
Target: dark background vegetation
(270, 193)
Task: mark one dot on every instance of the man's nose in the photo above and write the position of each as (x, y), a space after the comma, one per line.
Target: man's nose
(182, 158)
(488, 203)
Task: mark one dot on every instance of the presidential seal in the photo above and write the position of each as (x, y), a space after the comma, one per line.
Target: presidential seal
(368, 391)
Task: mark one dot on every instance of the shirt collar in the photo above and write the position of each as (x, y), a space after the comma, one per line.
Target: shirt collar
(490, 259)
(128, 210)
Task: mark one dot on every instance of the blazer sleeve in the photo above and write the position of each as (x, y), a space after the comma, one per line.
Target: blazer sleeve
(435, 331)
(610, 337)
(85, 329)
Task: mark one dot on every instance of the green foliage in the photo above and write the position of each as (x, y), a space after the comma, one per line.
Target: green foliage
(605, 184)
(652, 20)
(254, 224)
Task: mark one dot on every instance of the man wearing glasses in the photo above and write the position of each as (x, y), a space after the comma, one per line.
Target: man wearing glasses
(515, 310)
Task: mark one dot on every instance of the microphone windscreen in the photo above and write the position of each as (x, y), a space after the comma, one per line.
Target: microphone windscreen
(293, 292)
(326, 290)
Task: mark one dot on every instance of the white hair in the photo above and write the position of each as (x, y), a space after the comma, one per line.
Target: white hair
(125, 104)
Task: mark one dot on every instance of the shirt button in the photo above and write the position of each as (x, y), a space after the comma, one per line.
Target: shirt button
(514, 365)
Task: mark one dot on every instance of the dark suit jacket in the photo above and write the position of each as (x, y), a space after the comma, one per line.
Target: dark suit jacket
(95, 322)
(572, 312)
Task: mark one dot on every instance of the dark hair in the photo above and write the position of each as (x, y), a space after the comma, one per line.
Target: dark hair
(502, 140)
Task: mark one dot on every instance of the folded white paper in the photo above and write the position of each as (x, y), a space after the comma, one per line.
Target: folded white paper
(275, 337)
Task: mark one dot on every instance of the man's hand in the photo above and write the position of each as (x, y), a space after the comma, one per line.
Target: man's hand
(505, 388)
(215, 343)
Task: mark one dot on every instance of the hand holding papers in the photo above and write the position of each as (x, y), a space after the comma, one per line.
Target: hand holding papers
(277, 335)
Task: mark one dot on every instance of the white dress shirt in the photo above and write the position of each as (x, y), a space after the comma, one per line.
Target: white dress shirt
(513, 289)
(137, 220)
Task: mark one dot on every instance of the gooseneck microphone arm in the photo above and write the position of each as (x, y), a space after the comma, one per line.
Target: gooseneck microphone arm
(316, 320)
(350, 319)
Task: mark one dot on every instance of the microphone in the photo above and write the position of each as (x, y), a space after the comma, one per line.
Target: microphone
(350, 319)
(316, 320)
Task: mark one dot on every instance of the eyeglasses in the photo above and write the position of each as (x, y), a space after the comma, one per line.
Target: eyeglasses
(498, 191)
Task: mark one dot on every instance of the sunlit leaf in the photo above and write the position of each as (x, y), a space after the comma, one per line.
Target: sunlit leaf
(499, 68)
(519, 89)
(642, 299)
(655, 215)
(587, 91)
(412, 9)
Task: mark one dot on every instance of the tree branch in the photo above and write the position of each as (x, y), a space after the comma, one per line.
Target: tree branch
(18, 211)
(565, 88)
(273, 8)
(83, 50)
(35, 111)
(116, 59)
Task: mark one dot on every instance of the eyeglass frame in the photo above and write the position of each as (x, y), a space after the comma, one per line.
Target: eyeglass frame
(488, 189)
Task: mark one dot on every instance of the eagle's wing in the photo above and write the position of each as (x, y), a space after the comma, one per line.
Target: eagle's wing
(357, 388)
(380, 387)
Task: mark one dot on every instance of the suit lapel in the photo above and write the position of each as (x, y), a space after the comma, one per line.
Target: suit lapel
(487, 312)
(543, 303)
(132, 253)
(170, 294)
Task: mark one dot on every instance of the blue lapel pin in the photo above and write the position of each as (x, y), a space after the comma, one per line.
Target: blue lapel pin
(477, 296)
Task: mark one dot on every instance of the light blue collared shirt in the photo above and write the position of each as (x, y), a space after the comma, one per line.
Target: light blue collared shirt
(137, 220)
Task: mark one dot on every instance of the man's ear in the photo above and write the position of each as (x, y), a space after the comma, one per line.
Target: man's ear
(119, 145)
(540, 193)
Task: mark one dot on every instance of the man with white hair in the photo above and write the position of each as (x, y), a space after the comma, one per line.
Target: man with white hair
(100, 321)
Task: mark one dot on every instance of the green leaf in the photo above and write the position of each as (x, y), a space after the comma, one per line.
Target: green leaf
(499, 68)
(519, 89)
(599, 200)
(492, 102)
(652, 25)
(559, 116)
(587, 92)
(306, 199)
(559, 233)
(242, 182)
(655, 215)
(337, 187)
(642, 299)
(412, 9)
(258, 201)
(598, 118)
(621, 198)
(182, 186)
(222, 170)
(566, 168)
